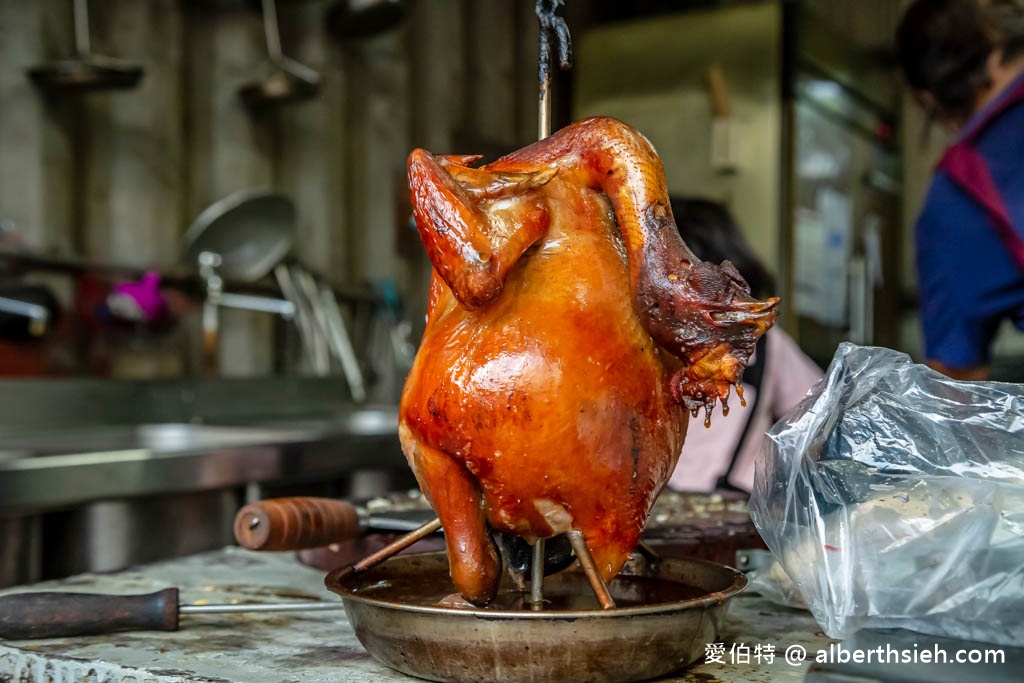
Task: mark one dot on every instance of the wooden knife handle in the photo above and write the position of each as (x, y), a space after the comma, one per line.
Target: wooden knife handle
(26, 616)
(296, 523)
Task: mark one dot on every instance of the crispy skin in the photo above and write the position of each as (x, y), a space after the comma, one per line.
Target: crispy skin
(567, 323)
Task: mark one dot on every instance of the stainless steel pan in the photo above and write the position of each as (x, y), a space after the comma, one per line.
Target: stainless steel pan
(407, 614)
(667, 612)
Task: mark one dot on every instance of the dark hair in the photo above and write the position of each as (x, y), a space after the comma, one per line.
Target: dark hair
(712, 234)
(943, 48)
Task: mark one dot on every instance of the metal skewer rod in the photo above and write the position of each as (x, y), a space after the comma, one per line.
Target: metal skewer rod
(537, 576)
(648, 551)
(81, 19)
(52, 614)
(550, 23)
(396, 546)
(543, 131)
(579, 546)
(544, 107)
(271, 32)
(261, 607)
(553, 29)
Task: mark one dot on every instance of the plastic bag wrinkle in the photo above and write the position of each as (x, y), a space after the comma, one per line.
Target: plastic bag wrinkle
(893, 497)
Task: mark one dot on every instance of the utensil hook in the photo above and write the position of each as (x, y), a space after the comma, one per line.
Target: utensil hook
(208, 262)
(81, 22)
(552, 28)
(272, 32)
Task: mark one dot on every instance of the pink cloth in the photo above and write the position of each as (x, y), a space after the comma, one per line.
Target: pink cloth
(147, 302)
(707, 452)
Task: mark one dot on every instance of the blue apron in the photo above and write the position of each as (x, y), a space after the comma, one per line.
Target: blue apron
(969, 171)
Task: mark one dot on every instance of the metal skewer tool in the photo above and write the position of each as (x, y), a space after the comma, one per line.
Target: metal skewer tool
(56, 614)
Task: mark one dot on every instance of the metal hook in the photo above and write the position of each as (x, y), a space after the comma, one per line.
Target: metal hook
(550, 23)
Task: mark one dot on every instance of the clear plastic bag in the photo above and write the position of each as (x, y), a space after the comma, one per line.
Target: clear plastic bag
(893, 497)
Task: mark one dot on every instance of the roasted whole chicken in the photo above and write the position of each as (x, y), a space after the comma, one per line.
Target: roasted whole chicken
(570, 333)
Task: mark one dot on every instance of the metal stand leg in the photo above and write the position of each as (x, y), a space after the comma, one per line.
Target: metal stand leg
(647, 551)
(537, 576)
(579, 546)
(395, 547)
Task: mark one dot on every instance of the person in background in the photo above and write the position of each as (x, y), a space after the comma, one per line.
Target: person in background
(964, 61)
(722, 456)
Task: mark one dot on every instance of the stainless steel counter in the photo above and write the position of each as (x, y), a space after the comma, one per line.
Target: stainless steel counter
(68, 442)
(309, 646)
(97, 475)
(61, 467)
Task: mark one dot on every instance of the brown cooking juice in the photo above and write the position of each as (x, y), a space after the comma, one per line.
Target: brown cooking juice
(577, 596)
(562, 593)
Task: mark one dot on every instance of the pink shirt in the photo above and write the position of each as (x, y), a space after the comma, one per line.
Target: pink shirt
(707, 452)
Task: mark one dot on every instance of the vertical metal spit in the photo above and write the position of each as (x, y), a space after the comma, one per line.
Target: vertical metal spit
(537, 576)
(545, 13)
(554, 29)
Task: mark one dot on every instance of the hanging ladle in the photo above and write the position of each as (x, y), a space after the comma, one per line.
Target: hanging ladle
(86, 71)
(289, 80)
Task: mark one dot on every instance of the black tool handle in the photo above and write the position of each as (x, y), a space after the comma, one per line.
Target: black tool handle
(296, 523)
(26, 616)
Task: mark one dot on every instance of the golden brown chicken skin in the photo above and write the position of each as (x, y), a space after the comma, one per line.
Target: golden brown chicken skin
(569, 330)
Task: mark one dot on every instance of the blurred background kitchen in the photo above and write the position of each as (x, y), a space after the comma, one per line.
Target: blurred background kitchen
(210, 286)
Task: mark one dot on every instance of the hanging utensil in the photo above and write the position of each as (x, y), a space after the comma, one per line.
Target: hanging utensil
(289, 81)
(251, 230)
(86, 71)
(241, 237)
(723, 142)
(27, 312)
(341, 343)
(57, 614)
(313, 342)
(364, 18)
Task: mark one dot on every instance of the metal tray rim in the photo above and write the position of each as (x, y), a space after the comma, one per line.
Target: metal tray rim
(709, 601)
